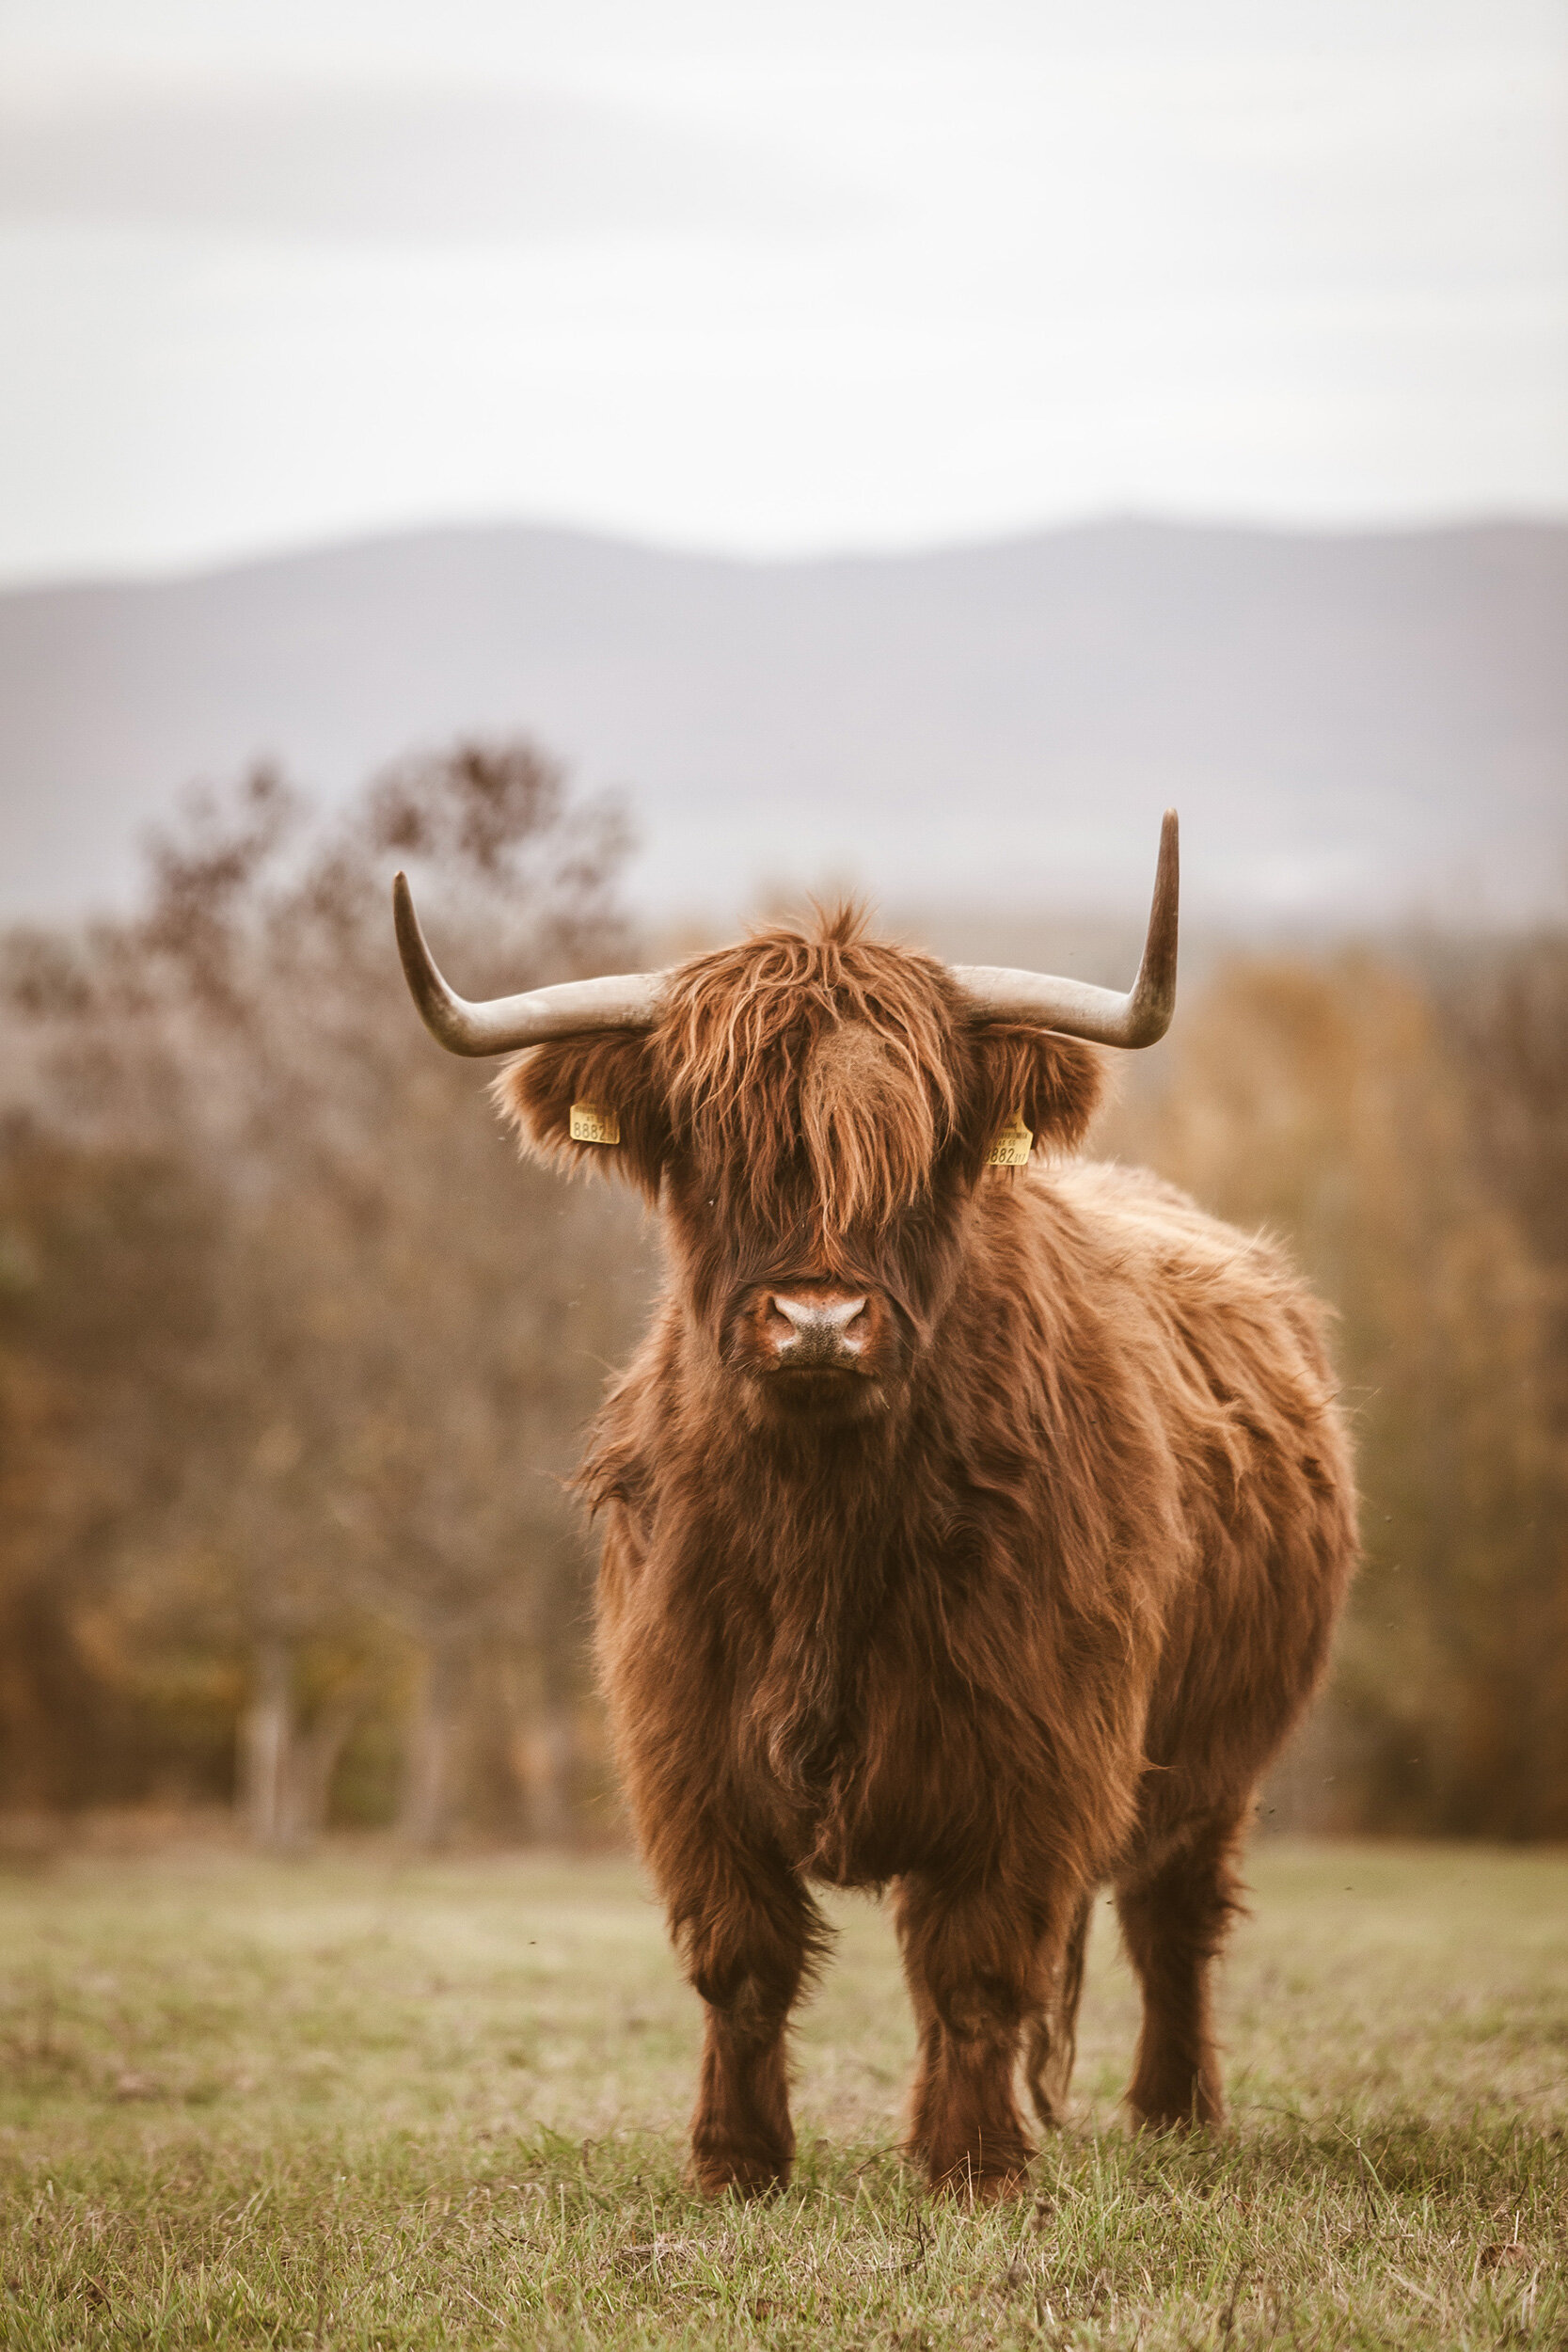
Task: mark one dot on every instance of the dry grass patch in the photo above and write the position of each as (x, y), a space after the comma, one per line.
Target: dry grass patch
(354, 2103)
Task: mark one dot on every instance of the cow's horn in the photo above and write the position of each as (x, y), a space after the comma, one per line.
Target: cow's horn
(631, 1000)
(1074, 1008)
(623, 1000)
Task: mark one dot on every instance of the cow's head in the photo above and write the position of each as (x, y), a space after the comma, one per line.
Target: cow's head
(814, 1112)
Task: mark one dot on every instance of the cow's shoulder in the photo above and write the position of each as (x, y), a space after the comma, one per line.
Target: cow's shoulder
(1134, 1213)
(1149, 1252)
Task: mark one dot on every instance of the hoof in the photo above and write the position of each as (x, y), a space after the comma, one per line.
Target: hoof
(1201, 2111)
(990, 2182)
(723, 2172)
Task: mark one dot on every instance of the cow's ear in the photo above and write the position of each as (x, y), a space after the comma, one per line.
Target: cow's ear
(593, 1102)
(1053, 1083)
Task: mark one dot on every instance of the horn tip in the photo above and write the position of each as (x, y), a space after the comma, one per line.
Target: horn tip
(1169, 858)
(407, 923)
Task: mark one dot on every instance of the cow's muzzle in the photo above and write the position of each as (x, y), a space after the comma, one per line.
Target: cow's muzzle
(817, 1344)
(817, 1334)
(824, 1349)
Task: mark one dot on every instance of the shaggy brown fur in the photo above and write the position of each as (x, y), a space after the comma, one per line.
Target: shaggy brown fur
(1010, 1593)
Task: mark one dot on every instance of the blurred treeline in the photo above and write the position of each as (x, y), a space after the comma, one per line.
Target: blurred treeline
(1400, 1115)
(293, 1354)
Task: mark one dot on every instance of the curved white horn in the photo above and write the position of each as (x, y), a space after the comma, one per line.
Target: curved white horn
(1074, 1008)
(623, 1000)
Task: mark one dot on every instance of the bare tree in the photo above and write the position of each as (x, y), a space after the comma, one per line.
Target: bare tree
(401, 1330)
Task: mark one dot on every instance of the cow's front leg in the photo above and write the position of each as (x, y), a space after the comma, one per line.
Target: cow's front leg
(747, 1935)
(973, 1966)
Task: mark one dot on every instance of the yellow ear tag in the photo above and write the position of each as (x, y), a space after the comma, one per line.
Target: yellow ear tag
(1012, 1146)
(591, 1125)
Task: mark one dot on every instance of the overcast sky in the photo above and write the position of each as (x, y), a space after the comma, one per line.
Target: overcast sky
(867, 273)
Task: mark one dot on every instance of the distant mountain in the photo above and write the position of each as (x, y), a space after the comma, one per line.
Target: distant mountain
(1355, 727)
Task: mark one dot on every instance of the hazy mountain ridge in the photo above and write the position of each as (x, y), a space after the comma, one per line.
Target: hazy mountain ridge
(1353, 726)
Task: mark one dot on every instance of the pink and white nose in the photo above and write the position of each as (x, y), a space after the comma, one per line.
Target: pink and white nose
(822, 1330)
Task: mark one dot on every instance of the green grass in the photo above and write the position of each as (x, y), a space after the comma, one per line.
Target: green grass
(347, 2103)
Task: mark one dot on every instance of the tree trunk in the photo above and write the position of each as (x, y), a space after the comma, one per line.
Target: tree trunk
(266, 1743)
(425, 1817)
(552, 1759)
(307, 1786)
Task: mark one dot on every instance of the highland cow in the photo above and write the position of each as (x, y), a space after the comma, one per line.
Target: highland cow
(974, 1521)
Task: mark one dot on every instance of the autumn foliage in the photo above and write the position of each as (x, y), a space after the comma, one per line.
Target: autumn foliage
(293, 1355)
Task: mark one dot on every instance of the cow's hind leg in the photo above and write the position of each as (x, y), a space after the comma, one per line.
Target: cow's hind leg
(1173, 1921)
(747, 1947)
(1051, 2042)
(972, 1971)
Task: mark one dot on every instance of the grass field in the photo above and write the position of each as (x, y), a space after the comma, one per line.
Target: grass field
(352, 2103)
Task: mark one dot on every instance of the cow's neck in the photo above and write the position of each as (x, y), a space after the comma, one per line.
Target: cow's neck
(808, 1530)
(823, 1572)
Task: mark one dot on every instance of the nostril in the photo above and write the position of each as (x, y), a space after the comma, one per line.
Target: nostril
(819, 1314)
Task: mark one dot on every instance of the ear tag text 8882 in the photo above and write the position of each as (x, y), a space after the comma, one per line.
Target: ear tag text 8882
(1012, 1146)
(590, 1125)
